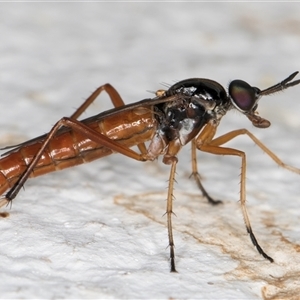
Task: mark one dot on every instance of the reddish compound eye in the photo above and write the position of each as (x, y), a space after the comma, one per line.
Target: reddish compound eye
(243, 96)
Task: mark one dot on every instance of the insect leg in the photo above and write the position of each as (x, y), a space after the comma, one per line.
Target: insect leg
(229, 151)
(78, 127)
(195, 174)
(231, 135)
(213, 146)
(115, 98)
(169, 212)
(109, 89)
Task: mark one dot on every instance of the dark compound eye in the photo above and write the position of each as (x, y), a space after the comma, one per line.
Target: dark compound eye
(243, 95)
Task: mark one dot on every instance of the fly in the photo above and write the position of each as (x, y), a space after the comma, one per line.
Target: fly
(189, 111)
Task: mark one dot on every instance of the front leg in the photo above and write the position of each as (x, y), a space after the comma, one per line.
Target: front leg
(229, 151)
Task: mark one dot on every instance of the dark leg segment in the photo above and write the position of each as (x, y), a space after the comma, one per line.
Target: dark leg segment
(195, 174)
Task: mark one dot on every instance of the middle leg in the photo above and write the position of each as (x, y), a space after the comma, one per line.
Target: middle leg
(195, 174)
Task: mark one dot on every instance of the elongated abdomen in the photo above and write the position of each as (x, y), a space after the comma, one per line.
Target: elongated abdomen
(69, 148)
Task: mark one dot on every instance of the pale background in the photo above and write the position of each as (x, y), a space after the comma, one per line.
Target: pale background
(98, 231)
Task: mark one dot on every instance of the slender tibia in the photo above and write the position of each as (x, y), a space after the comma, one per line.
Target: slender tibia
(195, 174)
(169, 213)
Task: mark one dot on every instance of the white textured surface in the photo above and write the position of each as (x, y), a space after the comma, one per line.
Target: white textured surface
(97, 231)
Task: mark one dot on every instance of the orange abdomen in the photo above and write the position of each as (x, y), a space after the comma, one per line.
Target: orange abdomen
(69, 148)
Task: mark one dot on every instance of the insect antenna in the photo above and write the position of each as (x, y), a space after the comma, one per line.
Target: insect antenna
(281, 86)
